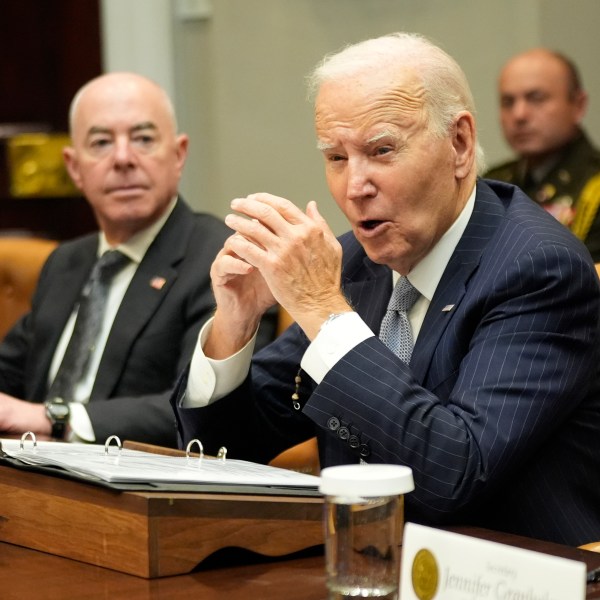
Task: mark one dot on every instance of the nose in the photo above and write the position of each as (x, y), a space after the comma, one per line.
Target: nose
(359, 182)
(124, 156)
(520, 110)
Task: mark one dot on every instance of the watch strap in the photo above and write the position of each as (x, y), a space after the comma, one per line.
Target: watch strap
(58, 422)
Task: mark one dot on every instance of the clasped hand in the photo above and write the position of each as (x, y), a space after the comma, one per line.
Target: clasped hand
(277, 254)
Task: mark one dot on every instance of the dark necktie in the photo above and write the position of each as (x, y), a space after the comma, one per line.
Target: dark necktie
(396, 332)
(87, 325)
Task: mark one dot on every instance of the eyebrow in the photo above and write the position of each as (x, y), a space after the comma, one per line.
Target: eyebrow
(144, 125)
(139, 127)
(324, 146)
(381, 135)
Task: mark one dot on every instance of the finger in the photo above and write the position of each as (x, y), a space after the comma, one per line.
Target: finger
(286, 208)
(313, 212)
(251, 229)
(227, 265)
(270, 210)
(247, 250)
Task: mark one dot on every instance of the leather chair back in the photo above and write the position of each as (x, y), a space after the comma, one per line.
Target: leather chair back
(21, 260)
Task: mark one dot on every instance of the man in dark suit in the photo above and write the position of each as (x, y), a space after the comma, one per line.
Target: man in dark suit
(494, 410)
(127, 158)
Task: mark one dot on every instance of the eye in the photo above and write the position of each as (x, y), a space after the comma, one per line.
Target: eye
(99, 144)
(537, 97)
(144, 140)
(335, 157)
(381, 150)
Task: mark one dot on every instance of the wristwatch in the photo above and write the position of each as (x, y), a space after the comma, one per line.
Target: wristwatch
(57, 410)
(330, 318)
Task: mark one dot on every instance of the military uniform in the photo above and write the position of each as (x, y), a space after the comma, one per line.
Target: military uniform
(570, 190)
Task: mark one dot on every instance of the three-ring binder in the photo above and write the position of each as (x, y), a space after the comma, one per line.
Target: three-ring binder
(24, 439)
(191, 443)
(112, 438)
(221, 455)
(115, 464)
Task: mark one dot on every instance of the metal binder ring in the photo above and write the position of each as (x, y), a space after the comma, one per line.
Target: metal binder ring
(110, 439)
(222, 454)
(189, 448)
(24, 437)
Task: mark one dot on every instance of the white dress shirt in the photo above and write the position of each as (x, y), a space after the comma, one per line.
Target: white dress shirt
(209, 379)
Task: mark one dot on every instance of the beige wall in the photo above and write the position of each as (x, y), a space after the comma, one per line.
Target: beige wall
(239, 77)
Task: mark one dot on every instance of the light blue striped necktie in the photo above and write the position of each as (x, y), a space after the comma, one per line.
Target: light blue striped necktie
(396, 332)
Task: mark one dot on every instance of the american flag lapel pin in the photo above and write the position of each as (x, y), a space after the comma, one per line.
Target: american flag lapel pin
(448, 308)
(158, 283)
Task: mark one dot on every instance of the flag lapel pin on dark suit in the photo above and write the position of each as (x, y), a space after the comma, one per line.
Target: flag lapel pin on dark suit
(158, 283)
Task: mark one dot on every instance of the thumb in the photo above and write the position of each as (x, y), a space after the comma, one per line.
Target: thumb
(313, 212)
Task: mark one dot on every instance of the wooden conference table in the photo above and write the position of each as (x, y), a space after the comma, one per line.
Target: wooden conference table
(26, 573)
(229, 574)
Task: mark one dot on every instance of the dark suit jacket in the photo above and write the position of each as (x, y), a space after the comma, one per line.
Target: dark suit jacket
(152, 337)
(494, 414)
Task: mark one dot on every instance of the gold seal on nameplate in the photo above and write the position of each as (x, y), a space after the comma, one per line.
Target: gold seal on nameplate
(425, 575)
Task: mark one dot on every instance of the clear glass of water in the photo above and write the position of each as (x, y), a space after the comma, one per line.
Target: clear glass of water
(364, 520)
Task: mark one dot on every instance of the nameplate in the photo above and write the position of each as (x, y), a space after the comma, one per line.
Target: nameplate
(440, 565)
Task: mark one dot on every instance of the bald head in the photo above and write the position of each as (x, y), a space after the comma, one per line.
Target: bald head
(548, 62)
(124, 84)
(541, 103)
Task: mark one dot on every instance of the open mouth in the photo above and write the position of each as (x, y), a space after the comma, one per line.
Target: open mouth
(370, 224)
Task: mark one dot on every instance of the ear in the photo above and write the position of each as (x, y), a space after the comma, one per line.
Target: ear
(580, 102)
(181, 150)
(463, 141)
(70, 158)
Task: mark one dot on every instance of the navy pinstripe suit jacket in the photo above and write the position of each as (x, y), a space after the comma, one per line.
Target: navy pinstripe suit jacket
(498, 414)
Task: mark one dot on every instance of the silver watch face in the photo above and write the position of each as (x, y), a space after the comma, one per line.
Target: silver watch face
(59, 411)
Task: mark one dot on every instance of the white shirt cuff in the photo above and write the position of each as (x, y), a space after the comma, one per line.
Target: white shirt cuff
(210, 379)
(81, 426)
(334, 340)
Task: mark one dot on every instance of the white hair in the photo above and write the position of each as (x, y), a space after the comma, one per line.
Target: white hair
(446, 88)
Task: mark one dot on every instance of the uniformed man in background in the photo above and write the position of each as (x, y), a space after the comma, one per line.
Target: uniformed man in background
(542, 103)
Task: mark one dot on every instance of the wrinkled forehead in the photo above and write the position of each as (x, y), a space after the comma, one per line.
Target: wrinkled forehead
(364, 98)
